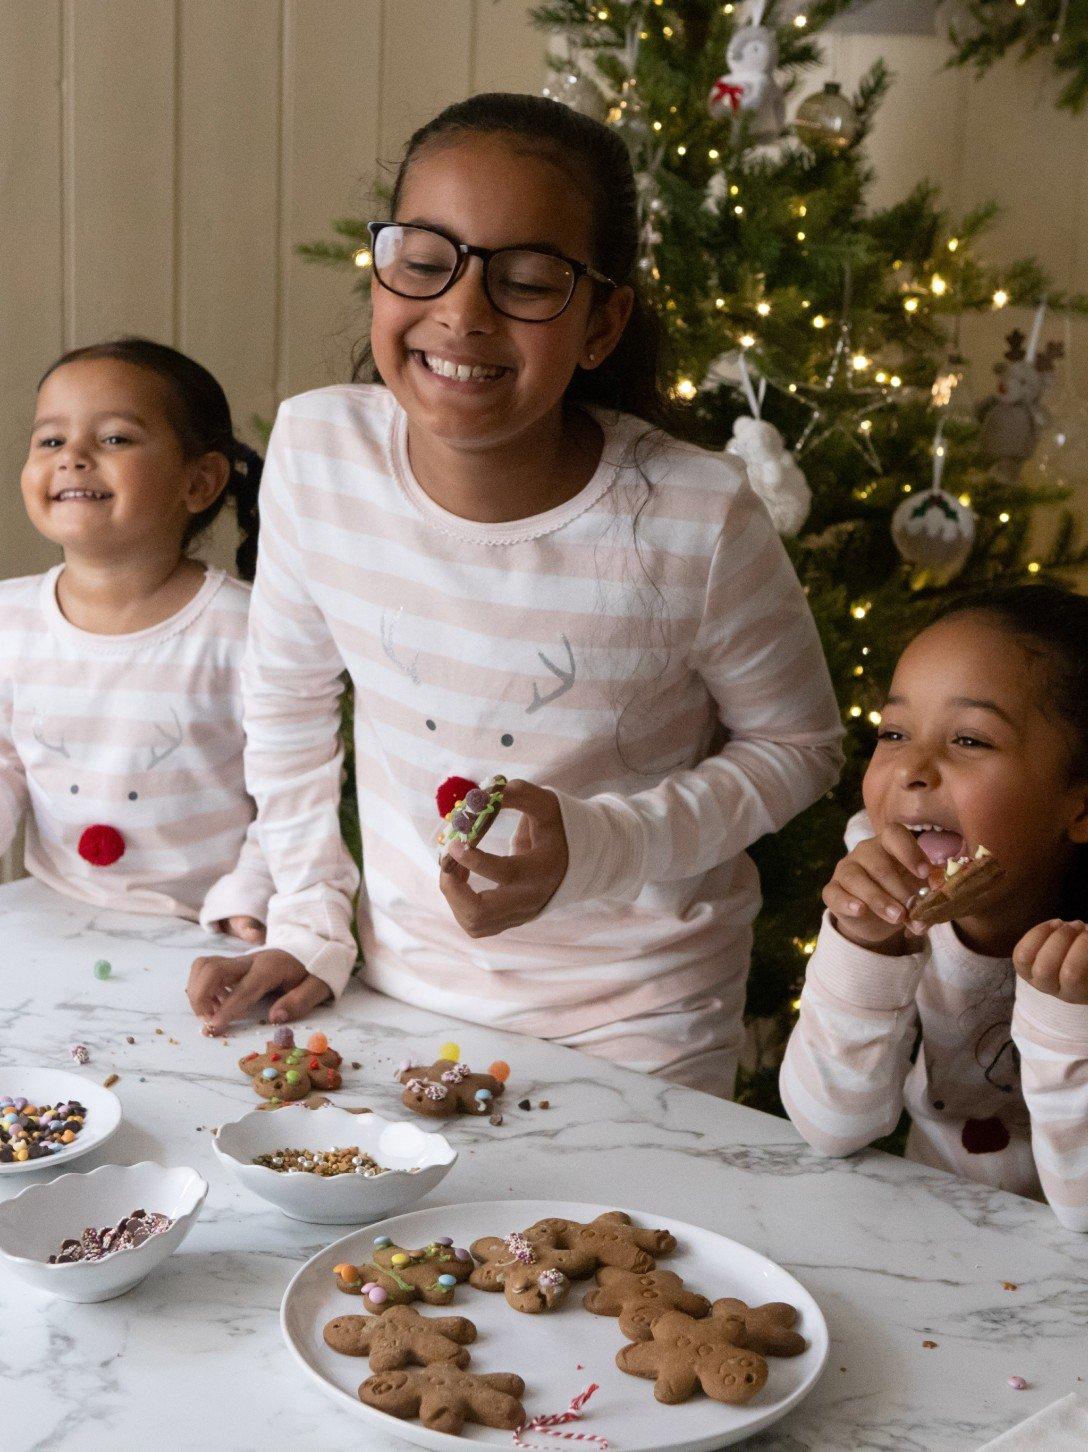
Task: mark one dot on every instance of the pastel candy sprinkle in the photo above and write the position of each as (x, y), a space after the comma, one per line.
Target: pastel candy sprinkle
(381, 1241)
(345, 1271)
(103, 968)
(483, 1095)
(500, 1070)
(399, 1259)
(293, 1076)
(284, 1038)
(1018, 1383)
(444, 1240)
(450, 1051)
(448, 1281)
(462, 1254)
(268, 1073)
(378, 1295)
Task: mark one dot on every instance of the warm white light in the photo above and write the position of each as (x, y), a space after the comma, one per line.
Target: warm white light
(819, 321)
(910, 304)
(763, 308)
(747, 340)
(1001, 297)
(686, 390)
(937, 285)
(874, 718)
(713, 153)
(860, 362)
(800, 21)
(895, 380)
(738, 211)
(681, 151)
(1004, 517)
(800, 236)
(1034, 567)
(363, 258)
(953, 243)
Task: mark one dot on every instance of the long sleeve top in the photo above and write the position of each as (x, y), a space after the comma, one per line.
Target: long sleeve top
(998, 1087)
(124, 754)
(598, 649)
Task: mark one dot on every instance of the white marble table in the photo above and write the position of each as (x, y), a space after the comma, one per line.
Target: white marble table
(192, 1359)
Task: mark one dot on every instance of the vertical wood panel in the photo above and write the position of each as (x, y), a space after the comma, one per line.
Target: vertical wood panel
(31, 258)
(426, 64)
(120, 113)
(508, 52)
(331, 79)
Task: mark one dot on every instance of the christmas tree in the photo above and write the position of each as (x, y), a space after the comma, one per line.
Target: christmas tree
(819, 340)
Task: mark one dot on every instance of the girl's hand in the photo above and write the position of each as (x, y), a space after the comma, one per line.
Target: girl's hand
(1053, 958)
(250, 930)
(223, 989)
(527, 879)
(870, 890)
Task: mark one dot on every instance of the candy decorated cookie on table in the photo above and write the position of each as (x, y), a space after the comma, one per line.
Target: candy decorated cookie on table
(286, 1072)
(449, 1087)
(395, 1276)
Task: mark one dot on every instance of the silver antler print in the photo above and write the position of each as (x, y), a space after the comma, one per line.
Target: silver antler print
(388, 632)
(565, 677)
(173, 741)
(58, 747)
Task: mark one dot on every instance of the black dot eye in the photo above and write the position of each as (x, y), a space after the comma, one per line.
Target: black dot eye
(74, 790)
(431, 726)
(507, 739)
(938, 1104)
(132, 796)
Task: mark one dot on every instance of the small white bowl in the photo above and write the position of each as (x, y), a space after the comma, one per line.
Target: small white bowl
(34, 1223)
(53, 1086)
(415, 1162)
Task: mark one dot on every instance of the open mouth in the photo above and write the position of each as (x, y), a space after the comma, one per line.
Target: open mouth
(940, 844)
(93, 496)
(458, 372)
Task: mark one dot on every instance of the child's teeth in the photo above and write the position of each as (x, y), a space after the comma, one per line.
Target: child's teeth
(461, 371)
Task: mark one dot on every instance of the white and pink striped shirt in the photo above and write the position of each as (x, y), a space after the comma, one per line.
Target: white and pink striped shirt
(564, 649)
(998, 1090)
(124, 754)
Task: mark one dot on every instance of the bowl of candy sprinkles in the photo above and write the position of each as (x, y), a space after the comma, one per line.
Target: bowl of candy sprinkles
(333, 1166)
(49, 1116)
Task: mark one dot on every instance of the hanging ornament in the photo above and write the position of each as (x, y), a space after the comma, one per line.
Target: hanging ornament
(578, 91)
(772, 470)
(1060, 460)
(933, 529)
(827, 120)
(748, 94)
(715, 193)
(1011, 418)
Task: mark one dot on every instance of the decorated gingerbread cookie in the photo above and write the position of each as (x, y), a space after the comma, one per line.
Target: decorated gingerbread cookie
(285, 1072)
(767, 1329)
(445, 1398)
(637, 1299)
(449, 1087)
(402, 1337)
(468, 810)
(685, 1354)
(534, 1274)
(956, 888)
(395, 1276)
(612, 1239)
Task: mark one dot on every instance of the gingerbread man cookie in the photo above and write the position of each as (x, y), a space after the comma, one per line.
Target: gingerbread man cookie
(534, 1274)
(445, 1398)
(395, 1276)
(611, 1239)
(685, 1353)
(448, 1087)
(285, 1072)
(468, 810)
(402, 1337)
(637, 1299)
(956, 888)
(767, 1329)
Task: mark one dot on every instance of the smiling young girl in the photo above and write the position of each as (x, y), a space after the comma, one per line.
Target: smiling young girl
(522, 575)
(983, 742)
(120, 710)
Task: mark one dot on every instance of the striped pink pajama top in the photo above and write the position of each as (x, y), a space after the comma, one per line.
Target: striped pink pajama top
(123, 753)
(564, 649)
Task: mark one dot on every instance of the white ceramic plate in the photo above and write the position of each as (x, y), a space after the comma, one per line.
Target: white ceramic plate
(53, 1086)
(559, 1354)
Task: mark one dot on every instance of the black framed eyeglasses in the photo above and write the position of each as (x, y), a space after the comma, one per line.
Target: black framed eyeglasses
(523, 283)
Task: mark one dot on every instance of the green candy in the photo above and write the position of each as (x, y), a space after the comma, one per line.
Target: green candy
(103, 968)
(293, 1076)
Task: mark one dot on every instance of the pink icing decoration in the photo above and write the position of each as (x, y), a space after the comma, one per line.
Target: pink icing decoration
(520, 1248)
(457, 1074)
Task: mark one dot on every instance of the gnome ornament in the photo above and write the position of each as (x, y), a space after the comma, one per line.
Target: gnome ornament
(748, 92)
(773, 472)
(1011, 418)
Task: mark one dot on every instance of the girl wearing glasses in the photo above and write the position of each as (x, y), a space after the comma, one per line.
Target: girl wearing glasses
(522, 573)
(983, 742)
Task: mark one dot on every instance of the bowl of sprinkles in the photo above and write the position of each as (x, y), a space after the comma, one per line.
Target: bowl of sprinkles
(51, 1115)
(330, 1166)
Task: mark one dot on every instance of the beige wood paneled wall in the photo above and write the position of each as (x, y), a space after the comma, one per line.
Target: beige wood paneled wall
(161, 159)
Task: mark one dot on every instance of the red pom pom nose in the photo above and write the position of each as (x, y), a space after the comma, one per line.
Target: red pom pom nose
(101, 846)
(452, 791)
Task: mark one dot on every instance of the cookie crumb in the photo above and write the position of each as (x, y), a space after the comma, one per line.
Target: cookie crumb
(544, 1104)
(129, 1039)
(1009, 1286)
(929, 1345)
(355, 1064)
(158, 1031)
(171, 1041)
(496, 1120)
(110, 1080)
(524, 1104)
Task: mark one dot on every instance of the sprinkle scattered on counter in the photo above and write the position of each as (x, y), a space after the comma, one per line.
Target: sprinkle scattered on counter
(1018, 1383)
(34, 1132)
(110, 1080)
(103, 968)
(80, 1053)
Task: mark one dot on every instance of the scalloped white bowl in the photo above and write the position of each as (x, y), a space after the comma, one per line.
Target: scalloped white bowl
(416, 1161)
(33, 1224)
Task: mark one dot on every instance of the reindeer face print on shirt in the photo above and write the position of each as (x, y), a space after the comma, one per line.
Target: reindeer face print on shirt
(90, 788)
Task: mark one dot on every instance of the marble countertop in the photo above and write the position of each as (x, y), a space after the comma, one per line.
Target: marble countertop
(895, 1254)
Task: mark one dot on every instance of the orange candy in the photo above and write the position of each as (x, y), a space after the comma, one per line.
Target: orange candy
(500, 1070)
(346, 1272)
(317, 1043)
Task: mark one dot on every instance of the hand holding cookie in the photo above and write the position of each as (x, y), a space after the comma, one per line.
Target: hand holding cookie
(874, 886)
(526, 880)
(1053, 957)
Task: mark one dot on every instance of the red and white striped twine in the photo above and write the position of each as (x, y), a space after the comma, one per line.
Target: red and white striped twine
(573, 1413)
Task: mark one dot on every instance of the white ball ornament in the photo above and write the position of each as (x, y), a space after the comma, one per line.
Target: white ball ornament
(934, 531)
(773, 472)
